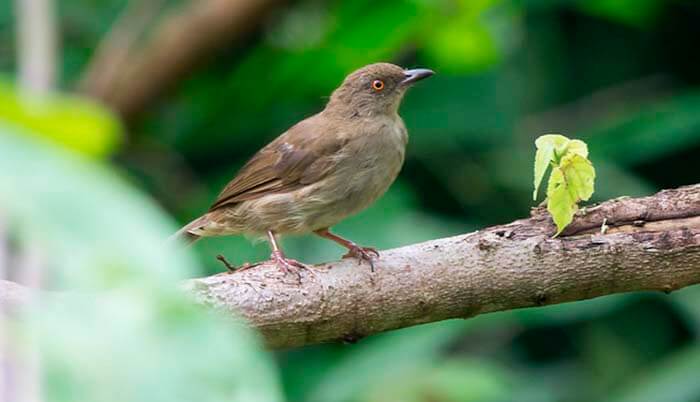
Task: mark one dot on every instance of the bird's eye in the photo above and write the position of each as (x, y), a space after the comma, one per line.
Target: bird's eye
(377, 85)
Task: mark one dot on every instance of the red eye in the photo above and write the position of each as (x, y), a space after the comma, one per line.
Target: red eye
(377, 85)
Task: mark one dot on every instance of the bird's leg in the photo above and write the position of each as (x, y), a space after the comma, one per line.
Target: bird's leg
(285, 264)
(361, 253)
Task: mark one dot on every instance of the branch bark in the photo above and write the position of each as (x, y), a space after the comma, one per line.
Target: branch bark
(652, 243)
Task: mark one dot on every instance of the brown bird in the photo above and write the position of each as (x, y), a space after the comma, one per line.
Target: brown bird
(322, 170)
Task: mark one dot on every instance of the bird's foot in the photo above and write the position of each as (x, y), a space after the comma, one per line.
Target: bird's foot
(368, 254)
(288, 265)
(232, 268)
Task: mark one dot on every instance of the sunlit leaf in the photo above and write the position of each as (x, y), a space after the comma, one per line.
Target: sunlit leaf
(560, 202)
(569, 183)
(550, 147)
(579, 176)
(461, 46)
(73, 122)
(464, 39)
(578, 147)
(571, 179)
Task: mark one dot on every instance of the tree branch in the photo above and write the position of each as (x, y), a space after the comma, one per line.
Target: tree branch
(176, 46)
(652, 243)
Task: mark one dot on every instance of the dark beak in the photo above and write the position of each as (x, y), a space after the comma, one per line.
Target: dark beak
(416, 75)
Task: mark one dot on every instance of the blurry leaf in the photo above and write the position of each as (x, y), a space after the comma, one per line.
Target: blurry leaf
(447, 381)
(687, 300)
(673, 380)
(70, 121)
(461, 46)
(303, 26)
(459, 37)
(295, 76)
(356, 39)
(401, 350)
(653, 131)
(632, 12)
(128, 332)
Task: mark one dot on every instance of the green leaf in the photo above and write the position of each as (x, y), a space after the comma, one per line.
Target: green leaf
(73, 122)
(579, 175)
(556, 141)
(578, 147)
(546, 146)
(560, 203)
(572, 175)
(569, 183)
(461, 45)
(543, 157)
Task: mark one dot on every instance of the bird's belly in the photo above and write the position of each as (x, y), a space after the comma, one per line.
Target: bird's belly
(334, 199)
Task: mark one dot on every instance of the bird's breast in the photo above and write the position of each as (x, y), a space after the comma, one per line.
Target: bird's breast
(370, 163)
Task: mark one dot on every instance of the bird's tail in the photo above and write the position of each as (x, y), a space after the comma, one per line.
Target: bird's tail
(185, 235)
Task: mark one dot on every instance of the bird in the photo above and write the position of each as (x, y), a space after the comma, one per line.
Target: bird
(322, 170)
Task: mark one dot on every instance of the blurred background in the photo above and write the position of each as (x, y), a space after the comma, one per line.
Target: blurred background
(170, 97)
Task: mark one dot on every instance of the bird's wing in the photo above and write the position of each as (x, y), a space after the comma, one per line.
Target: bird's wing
(301, 156)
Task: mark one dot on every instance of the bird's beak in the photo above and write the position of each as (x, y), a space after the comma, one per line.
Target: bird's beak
(416, 75)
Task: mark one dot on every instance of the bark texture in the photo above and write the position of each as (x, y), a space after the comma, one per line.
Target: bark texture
(650, 243)
(623, 245)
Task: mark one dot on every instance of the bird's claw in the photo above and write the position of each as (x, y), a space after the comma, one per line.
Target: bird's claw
(368, 254)
(284, 264)
(288, 265)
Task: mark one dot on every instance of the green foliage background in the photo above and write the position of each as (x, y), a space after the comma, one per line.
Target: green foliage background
(622, 75)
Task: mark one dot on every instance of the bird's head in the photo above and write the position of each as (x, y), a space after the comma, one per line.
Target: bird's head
(375, 89)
